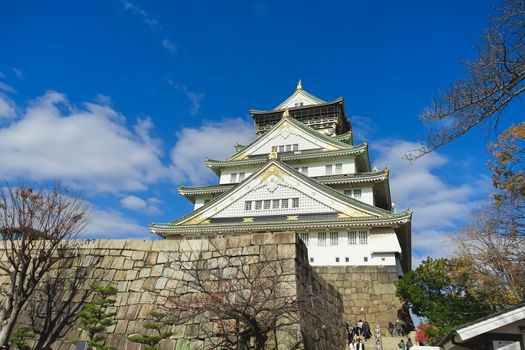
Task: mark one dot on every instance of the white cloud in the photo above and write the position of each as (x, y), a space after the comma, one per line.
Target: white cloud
(146, 18)
(169, 46)
(108, 224)
(439, 208)
(18, 72)
(7, 107)
(214, 140)
(88, 148)
(195, 98)
(149, 206)
(362, 128)
(6, 88)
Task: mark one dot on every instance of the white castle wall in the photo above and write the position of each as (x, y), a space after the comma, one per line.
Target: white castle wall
(315, 168)
(307, 205)
(380, 249)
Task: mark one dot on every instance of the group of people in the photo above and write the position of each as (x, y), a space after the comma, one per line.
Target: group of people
(356, 334)
(405, 346)
(398, 328)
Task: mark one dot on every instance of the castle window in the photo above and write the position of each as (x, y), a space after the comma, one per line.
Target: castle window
(321, 239)
(357, 193)
(336, 259)
(233, 177)
(295, 202)
(241, 176)
(348, 193)
(338, 168)
(281, 148)
(295, 147)
(363, 237)
(258, 205)
(311, 259)
(304, 237)
(267, 204)
(365, 259)
(334, 238)
(347, 259)
(328, 169)
(301, 103)
(304, 170)
(352, 237)
(248, 205)
(288, 148)
(275, 204)
(284, 203)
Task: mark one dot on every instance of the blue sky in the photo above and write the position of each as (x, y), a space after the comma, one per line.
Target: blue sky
(124, 99)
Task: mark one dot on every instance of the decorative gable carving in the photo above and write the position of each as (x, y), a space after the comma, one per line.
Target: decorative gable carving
(276, 182)
(284, 133)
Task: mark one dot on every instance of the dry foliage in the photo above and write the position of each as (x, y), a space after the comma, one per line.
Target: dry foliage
(492, 82)
(239, 299)
(36, 227)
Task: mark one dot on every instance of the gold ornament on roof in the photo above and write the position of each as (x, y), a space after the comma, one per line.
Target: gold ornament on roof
(299, 85)
(286, 113)
(273, 153)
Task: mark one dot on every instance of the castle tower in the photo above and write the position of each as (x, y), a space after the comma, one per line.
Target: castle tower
(303, 173)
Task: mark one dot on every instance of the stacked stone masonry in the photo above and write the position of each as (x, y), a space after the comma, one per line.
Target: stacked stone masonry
(146, 272)
(369, 292)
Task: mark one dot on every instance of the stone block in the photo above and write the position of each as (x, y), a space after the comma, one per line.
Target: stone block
(118, 262)
(156, 270)
(145, 272)
(250, 250)
(121, 327)
(163, 258)
(161, 283)
(131, 274)
(286, 251)
(138, 255)
(151, 258)
(122, 286)
(283, 237)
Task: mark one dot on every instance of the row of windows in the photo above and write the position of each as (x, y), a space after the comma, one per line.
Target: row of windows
(330, 169)
(347, 259)
(287, 148)
(233, 177)
(272, 204)
(332, 238)
(355, 193)
(333, 169)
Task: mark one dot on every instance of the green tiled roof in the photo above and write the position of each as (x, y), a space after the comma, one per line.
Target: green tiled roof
(290, 156)
(314, 133)
(381, 214)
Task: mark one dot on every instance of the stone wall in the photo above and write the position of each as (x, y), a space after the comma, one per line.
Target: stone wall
(146, 274)
(368, 292)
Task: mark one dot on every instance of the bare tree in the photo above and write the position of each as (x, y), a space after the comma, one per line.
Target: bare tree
(492, 82)
(240, 298)
(36, 227)
(54, 306)
(494, 258)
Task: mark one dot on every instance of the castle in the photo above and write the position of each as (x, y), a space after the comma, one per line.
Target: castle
(303, 173)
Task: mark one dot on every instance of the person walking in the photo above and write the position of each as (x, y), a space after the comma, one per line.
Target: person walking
(401, 345)
(359, 345)
(391, 328)
(409, 343)
(398, 327)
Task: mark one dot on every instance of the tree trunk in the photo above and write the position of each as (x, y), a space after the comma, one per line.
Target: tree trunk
(7, 328)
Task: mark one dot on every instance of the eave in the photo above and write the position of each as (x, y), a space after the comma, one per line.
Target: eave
(256, 112)
(396, 220)
(216, 165)
(371, 177)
